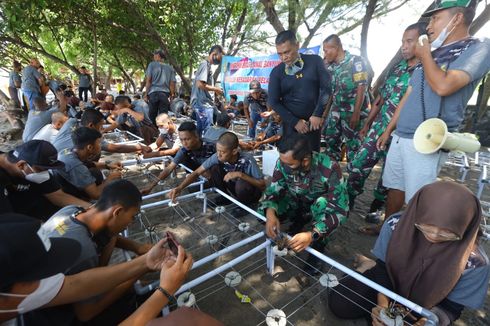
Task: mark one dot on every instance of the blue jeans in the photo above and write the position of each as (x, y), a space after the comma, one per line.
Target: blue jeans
(204, 118)
(31, 96)
(255, 117)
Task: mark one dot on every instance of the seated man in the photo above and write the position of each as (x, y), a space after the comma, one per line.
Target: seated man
(232, 106)
(192, 153)
(133, 119)
(272, 133)
(49, 131)
(223, 123)
(26, 185)
(95, 120)
(168, 137)
(232, 171)
(38, 275)
(76, 177)
(141, 105)
(41, 116)
(306, 187)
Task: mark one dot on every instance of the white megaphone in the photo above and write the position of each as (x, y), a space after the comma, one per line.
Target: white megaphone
(432, 135)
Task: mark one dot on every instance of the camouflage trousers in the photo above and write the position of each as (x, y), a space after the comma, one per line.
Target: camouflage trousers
(297, 214)
(337, 132)
(363, 162)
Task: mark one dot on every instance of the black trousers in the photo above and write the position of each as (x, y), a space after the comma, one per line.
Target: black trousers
(158, 103)
(83, 91)
(240, 189)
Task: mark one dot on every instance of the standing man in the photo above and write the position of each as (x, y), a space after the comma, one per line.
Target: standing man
(160, 85)
(349, 102)
(298, 89)
(255, 103)
(32, 80)
(15, 83)
(201, 101)
(380, 115)
(84, 84)
(440, 87)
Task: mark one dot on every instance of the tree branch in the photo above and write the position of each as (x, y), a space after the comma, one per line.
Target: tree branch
(272, 16)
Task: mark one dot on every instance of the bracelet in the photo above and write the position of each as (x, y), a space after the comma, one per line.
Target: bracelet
(170, 297)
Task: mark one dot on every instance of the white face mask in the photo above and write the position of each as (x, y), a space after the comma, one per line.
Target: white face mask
(443, 35)
(37, 177)
(46, 291)
(163, 131)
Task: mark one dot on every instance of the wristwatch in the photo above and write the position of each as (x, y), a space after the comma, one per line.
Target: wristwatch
(315, 235)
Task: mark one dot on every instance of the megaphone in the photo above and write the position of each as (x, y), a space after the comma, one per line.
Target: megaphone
(432, 135)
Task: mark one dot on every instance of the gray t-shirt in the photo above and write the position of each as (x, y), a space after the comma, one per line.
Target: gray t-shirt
(142, 106)
(63, 224)
(84, 80)
(63, 138)
(474, 61)
(161, 75)
(14, 77)
(75, 172)
(471, 289)
(30, 77)
(171, 141)
(200, 97)
(213, 133)
(246, 163)
(36, 120)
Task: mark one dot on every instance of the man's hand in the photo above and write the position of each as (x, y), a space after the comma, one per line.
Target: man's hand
(354, 120)
(315, 123)
(382, 140)
(115, 165)
(174, 193)
(422, 50)
(375, 316)
(363, 132)
(218, 91)
(265, 114)
(174, 273)
(158, 255)
(232, 175)
(272, 225)
(302, 127)
(114, 175)
(257, 144)
(140, 148)
(300, 241)
(146, 98)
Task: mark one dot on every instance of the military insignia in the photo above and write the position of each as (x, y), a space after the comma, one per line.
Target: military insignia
(444, 68)
(358, 66)
(298, 76)
(61, 228)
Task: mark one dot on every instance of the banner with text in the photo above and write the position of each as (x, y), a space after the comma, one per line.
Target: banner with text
(238, 72)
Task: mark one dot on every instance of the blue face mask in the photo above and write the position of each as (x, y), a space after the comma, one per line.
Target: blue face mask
(442, 37)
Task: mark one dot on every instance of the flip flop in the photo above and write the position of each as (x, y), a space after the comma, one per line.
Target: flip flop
(369, 230)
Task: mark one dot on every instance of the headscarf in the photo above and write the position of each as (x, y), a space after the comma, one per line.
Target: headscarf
(426, 272)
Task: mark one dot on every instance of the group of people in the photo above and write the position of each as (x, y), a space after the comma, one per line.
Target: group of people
(63, 208)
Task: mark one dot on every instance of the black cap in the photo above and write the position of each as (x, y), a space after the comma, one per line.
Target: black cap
(28, 254)
(254, 86)
(39, 153)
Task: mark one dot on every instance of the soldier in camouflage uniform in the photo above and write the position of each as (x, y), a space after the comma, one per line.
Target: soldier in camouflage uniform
(380, 115)
(306, 187)
(349, 101)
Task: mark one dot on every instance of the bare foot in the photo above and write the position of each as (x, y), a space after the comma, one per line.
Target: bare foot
(363, 263)
(370, 230)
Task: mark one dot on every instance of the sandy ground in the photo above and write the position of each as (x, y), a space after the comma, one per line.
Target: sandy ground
(300, 295)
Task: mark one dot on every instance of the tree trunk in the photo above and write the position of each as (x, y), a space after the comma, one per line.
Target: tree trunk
(108, 79)
(94, 31)
(371, 7)
(272, 16)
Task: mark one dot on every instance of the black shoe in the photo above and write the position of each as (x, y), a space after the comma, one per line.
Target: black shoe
(376, 205)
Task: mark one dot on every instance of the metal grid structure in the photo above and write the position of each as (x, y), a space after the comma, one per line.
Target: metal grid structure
(121, 137)
(247, 256)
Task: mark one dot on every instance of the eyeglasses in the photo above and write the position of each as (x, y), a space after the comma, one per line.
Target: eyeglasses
(446, 236)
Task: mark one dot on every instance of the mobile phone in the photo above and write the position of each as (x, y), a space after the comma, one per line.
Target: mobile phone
(173, 244)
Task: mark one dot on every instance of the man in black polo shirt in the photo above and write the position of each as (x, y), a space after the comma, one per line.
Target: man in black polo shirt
(299, 88)
(27, 187)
